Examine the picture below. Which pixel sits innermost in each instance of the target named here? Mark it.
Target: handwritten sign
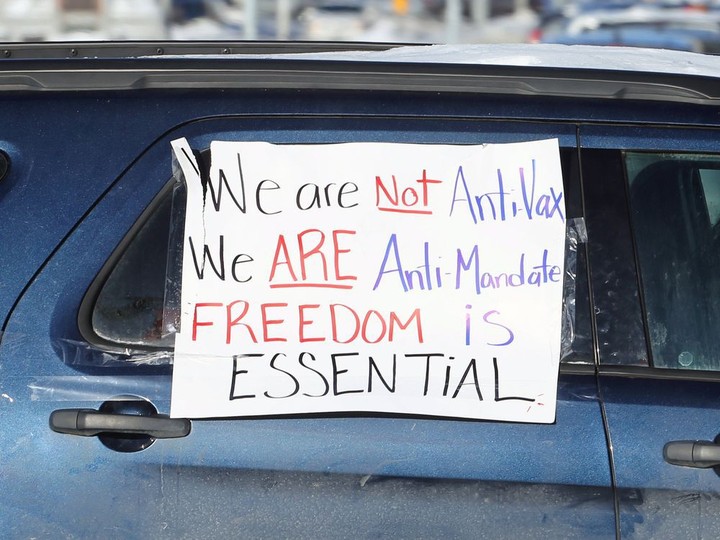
(371, 277)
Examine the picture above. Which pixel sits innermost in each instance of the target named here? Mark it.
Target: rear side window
(675, 212)
(132, 305)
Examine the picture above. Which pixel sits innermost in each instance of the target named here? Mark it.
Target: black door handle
(699, 454)
(89, 423)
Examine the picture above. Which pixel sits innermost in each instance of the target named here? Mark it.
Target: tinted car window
(134, 303)
(675, 210)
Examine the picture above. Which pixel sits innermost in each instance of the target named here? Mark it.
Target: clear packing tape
(575, 234)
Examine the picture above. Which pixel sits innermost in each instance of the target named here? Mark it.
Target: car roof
(520, 69)
(513, 54)
(534, 55)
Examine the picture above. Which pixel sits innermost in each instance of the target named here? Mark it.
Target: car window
(675, 212)
(131, 302)
(132, 307)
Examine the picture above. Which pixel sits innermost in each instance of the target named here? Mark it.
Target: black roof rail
(136, 49)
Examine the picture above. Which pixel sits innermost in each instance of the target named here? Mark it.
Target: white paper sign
(371, 277)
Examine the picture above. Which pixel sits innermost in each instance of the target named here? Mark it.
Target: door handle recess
(89, 423)
(699, 454)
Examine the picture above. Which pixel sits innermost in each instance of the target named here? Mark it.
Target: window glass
(710, 181)
(675, 208)
(133, 303)
(132, 309)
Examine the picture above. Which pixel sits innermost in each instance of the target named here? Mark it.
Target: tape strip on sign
(371, 277)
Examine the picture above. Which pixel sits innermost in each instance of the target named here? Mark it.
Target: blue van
(91, 213)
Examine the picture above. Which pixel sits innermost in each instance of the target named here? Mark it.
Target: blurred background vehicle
(333, 20)
(654, 26)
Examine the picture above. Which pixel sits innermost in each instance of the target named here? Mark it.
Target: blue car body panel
(547, 471)
(451, 455)
(646, 409)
